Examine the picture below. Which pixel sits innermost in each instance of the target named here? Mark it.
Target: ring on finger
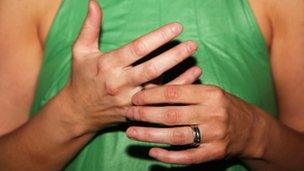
(197, 137)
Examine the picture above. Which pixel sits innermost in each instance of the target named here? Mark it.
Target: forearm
(282, 146)
(46, 142)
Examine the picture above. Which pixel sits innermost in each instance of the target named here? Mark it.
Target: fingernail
(191, 46)
(176, 28)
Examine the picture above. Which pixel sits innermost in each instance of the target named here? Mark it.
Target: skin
(72, 118)
(62, 130)
(229, 125)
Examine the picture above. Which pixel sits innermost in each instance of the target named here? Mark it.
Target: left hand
(228, 125)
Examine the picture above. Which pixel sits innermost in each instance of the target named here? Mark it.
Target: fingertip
(131, 133)
(87, 40)
(176, 27)
(93, 5)
(153, 152)
(192, 45)
(94, 11)
(197, 71)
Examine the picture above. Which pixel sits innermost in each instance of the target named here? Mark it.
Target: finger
(177, 94)
(170, 115)
(144, 45)
(204, 153)
(172, 136)
(188, 77)
(155, 67)
(87, 41)
(175, 135)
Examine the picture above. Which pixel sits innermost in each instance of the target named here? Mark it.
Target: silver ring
(196, 136)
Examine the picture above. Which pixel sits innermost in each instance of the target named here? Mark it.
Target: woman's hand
(228, 125)
(102, 83)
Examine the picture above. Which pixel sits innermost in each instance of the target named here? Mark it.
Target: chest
(258, 9)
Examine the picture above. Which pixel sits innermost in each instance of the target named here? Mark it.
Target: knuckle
(147, 135)
(179, 53)
(172, 117)
(121, 101)
(139, 48)
(111, 89)
(222, 115)
(87, 27)
(163, 35)
(186, 48)
(141, 114)
(177, 137)
(218, 93)
(79, 48)
(140, 98)
(75, 49)
(150, 72)
(221, 132)
(133, 77)
(130, 113)
(196, 114)
(172, 93)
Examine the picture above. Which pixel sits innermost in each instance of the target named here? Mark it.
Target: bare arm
(26, 145)
(21, 53)
(287, 58)
(285, 144)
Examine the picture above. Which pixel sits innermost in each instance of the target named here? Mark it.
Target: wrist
(259, 135)
(63, 113)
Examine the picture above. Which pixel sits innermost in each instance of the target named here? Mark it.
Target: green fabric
(232, 53)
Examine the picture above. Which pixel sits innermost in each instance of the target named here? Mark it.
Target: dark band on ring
(196, 136)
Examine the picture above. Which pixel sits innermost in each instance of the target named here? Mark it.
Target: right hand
(102, 83)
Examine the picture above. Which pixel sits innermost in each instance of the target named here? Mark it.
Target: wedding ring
(196, 136)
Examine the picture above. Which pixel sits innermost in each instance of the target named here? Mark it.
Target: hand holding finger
(221, 121)
(176, 94)
(153, 68)
(188, 77)
(181, 135)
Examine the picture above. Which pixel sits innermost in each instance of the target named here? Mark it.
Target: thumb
(89, 35)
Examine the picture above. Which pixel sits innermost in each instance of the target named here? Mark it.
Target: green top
(232, 53)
